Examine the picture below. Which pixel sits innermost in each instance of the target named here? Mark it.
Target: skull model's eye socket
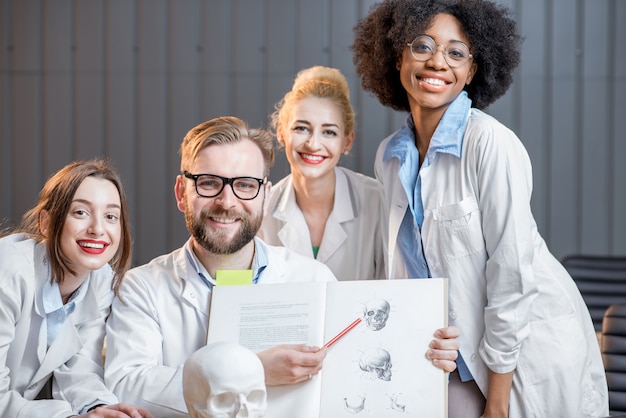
(224, 402)
(370, 313)
(256, 397)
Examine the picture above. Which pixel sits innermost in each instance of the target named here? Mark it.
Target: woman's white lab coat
(351, 245)
(75, 357)
(515, 304)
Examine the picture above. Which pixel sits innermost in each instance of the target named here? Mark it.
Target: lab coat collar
(344, 210)
(447, 138)
(345, 206)
(277, 265)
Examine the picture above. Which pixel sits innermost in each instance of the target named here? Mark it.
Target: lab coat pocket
(555, 351)
(460, 228)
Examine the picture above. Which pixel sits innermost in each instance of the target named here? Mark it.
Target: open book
(377, 369)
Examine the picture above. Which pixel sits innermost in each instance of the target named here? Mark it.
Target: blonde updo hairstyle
(318, 81)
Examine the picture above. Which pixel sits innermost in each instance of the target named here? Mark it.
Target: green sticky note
(233, 277)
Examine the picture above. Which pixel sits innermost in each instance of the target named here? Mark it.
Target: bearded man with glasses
(161, 317)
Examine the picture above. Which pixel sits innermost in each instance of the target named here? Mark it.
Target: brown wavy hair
(56, 197)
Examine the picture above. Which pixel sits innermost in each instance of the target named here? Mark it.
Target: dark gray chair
(601, 281)
(613, 348)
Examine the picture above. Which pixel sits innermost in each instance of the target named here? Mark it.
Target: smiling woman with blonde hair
(321, 210)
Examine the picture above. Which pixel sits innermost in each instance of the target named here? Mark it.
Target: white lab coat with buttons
(163, 317)
(75, 357)
(351, 245)
(516, 306)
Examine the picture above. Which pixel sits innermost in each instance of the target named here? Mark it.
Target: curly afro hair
(381, 36)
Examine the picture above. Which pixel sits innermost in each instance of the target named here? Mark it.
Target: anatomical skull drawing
(377, 362)
(376, 313)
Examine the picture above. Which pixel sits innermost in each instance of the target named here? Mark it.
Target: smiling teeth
(434, 81)
(224, 220)
(312, 157)
(91, 245)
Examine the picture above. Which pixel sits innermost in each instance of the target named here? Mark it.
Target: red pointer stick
(342, 333)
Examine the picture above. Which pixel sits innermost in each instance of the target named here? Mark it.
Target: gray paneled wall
(128, 78)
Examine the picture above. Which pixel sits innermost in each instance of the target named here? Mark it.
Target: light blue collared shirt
(448, 138)
(56, 312)
(259, 262)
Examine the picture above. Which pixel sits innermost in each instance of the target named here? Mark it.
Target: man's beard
(215, 241)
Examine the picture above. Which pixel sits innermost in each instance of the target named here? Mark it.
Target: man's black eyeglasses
(211, 185)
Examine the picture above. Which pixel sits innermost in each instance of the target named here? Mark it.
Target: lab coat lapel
(189, 293)
(68, 342)
(41, 271)
(294, 233)
(344, 210)
(397, 209)
(289, 237)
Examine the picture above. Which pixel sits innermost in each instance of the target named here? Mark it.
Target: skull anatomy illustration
(377, 362)
(376, 313)
(224, 380)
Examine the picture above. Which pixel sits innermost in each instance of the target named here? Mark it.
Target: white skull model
(224, 380)
(376, 313)
(378, 362)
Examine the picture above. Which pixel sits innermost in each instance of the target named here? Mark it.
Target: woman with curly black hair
(457, 187)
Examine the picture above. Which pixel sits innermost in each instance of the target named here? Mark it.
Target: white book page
(263, 316)
(379, 368)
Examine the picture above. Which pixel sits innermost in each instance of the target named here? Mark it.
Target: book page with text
(263, 316)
